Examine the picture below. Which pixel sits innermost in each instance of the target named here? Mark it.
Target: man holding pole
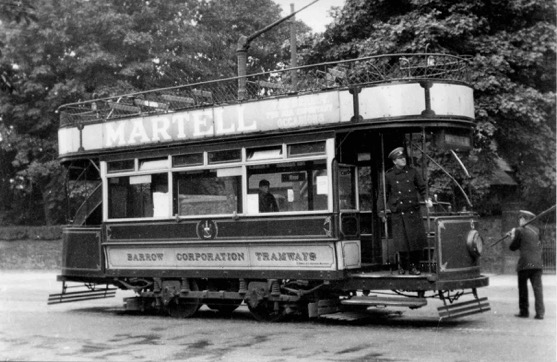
(526, 238)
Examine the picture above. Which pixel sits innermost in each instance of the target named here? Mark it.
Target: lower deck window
(207, 192)
(138, 196)
(294, 186)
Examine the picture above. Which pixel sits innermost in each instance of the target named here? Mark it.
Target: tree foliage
(512, 44)
(64, 51)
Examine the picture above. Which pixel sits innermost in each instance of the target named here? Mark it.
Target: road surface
(101, 330)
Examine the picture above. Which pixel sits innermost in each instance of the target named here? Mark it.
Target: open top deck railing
(300, 80)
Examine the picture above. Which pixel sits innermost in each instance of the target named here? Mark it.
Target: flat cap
(397, 152)
(527, 215)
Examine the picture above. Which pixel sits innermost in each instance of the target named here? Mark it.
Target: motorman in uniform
(403, 186)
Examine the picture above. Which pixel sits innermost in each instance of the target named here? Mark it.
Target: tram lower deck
(309, 272)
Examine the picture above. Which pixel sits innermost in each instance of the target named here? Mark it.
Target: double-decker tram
(269, 195)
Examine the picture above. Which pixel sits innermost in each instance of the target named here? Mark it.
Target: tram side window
(296, 186)
(347, 187)
(207, 192)
(365, 188)
(138, 196)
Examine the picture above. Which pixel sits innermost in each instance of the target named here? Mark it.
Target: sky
(315, 16)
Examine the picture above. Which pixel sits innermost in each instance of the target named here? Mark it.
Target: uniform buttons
(402, 213)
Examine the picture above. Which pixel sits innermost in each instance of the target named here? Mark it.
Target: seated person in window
(267, 202)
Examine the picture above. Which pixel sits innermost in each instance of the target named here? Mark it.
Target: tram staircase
(84, 291)
(89, 206)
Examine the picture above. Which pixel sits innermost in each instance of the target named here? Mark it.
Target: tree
(79, 50)
(512, 43)
(245, 18)
(18, 12)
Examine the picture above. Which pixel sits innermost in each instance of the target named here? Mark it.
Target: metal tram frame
(321, 124)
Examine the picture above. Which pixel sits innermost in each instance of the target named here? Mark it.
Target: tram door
(357, 176)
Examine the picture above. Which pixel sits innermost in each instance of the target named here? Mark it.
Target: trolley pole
(293, 50)
(242, 50)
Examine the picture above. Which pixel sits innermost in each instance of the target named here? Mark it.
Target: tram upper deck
(419, 90)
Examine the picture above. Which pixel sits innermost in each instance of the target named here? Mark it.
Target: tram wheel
(225, 306)
(184, 308)
(265, 312)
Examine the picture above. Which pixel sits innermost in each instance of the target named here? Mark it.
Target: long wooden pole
(529, 222)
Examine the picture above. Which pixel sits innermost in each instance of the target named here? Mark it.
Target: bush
(31, 233)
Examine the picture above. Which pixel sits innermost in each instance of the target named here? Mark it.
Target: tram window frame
(153, 164)
(352, 201)
(264, 153)
(120, 166)
(322, 145)
(365, 189)
(187, 157)
(239, 166)
(140, 196)
(212, 154)
(288, 195)
(201, 201)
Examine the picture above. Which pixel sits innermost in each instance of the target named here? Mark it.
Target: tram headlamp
(475, 243)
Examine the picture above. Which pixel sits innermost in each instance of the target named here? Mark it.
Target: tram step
(81, 295)
(376, 301)
(463, 309)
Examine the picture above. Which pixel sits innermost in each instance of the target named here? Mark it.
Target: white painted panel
(92, 137)
(346, 106)
(393, 100)
(293, 112)
(382, 101)
(293, 257)
(68, 140)
(257, 257)
(350, 254)
(452, 100)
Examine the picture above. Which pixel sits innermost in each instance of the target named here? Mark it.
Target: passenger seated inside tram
(267, 202)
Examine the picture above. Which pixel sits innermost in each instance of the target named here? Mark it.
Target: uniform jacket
(527, 240)
(402, 187)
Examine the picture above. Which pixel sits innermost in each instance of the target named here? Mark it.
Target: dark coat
(267, 202)
(403, 189)
(527, 240)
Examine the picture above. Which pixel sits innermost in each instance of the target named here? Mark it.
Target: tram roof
(360, 72)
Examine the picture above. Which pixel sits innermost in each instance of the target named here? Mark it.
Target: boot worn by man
(521, 315)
